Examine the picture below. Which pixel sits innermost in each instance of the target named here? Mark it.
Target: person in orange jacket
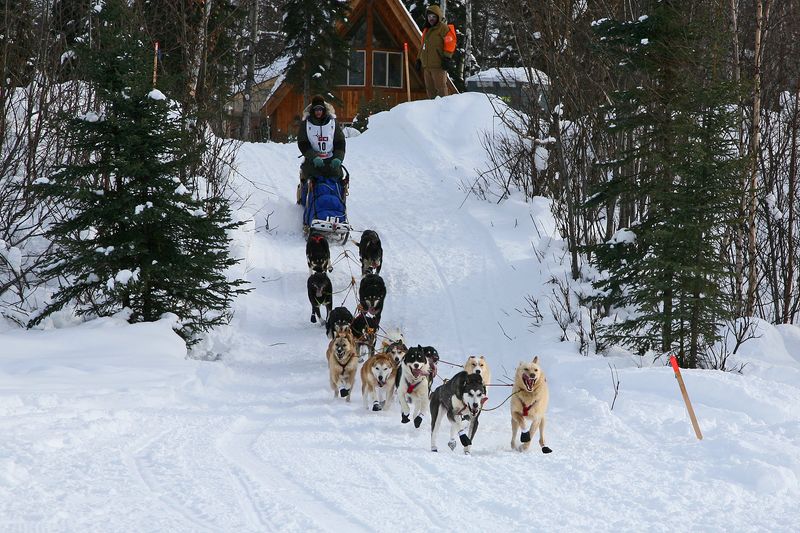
(433, 61)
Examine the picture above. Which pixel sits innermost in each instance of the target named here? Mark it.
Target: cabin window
(354, 72)
(387, 69)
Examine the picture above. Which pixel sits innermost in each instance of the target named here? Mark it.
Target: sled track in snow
(236, 445)
(232, 447)
(133, 460)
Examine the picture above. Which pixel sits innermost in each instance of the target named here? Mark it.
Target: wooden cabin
(376, 31)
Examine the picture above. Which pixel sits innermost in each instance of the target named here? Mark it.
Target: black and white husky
(460, 400)
(412, 385)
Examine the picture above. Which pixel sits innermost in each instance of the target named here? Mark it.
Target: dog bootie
(418, 421)
(344, 392)
(465, 440)
(404, 418)
(313, 319)
(545, 449)
(525, 436)
(434, 449)
(452, 444)
(376, 406)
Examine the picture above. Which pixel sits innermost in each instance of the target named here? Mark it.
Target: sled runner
(324, 207)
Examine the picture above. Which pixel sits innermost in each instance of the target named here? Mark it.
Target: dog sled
(324, 201)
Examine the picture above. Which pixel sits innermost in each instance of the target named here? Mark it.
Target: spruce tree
(682, 167)
(315, 49)
(132, 234)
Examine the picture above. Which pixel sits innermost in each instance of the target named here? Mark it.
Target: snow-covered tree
(316, 51)
(134, 236)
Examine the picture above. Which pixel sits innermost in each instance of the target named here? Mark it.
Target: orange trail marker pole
(674, 362)
(155, 65)
(408, 80)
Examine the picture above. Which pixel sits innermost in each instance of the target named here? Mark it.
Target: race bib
(321, 138)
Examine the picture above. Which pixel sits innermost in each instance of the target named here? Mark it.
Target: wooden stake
(155, 65)
(408, 80)
(674, 362)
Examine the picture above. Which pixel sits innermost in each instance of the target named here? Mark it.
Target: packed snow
(108, 426)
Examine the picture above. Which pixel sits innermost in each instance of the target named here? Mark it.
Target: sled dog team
(407, 373)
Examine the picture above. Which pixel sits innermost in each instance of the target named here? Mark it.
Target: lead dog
(318, 253)
(460, 399)
(412, 385)
(320, 292)
(370, 252)
(342, 365)
(529, 399)
(377, 381)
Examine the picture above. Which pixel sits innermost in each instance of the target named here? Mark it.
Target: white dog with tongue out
(529, 399)
(412, 385)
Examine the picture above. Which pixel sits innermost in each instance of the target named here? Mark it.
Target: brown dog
(342, 364)
(529, 400)
(377, 381)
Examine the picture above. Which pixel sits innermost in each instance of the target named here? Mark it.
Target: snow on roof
(277, 68)
(509, 76)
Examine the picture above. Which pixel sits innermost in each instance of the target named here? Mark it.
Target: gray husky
(461, 400)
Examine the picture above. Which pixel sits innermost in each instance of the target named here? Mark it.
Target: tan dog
(377, 381)
(342, 364)
(477, 365)
(529, 400)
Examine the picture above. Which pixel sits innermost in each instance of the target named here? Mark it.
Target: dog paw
(376, 406)
(313, 319)
(452, 444)
(465, 440)
(525, 436)
(418, 421)
(467, 452)
(344, 392)
(545, 449)
(404, 418)
(383, 402)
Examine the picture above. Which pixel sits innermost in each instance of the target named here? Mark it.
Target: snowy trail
(106, 427)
